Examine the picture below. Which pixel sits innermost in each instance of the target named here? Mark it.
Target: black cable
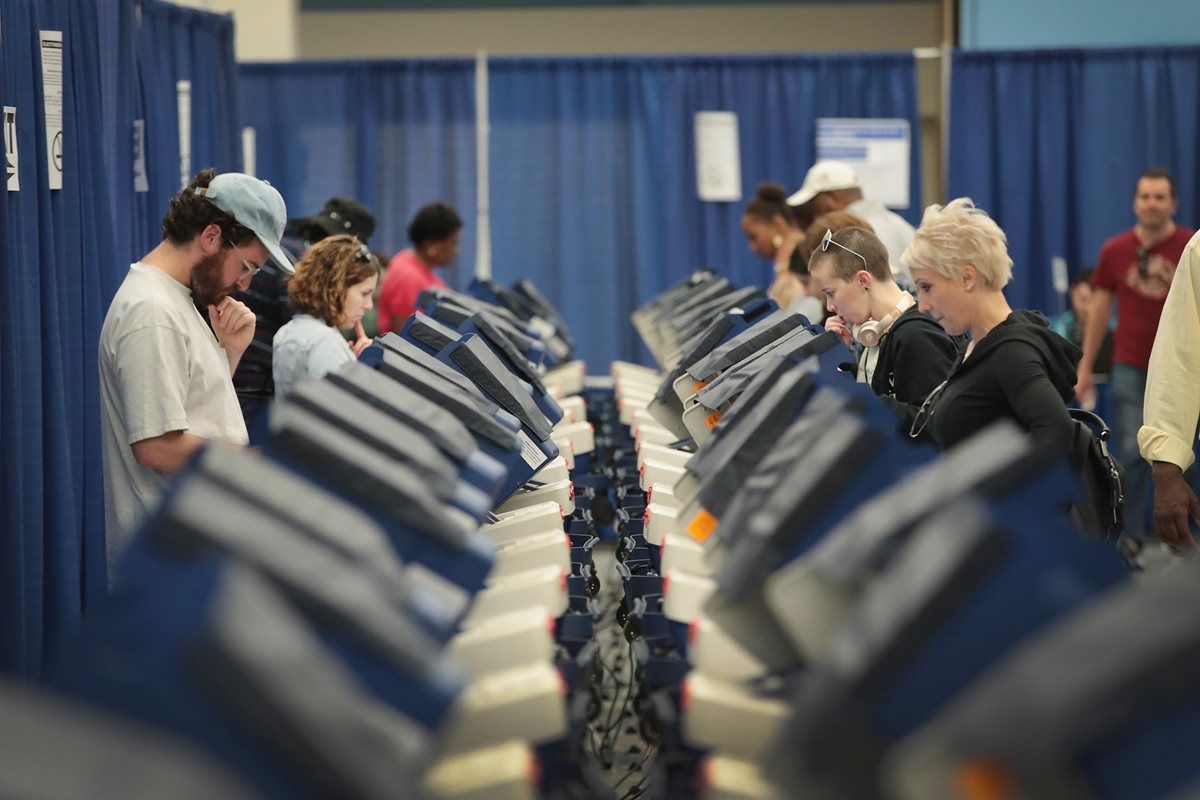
(624, 706)
(633, 769)
(595, 747)
(604, 743)
(609, 726)
(641, 787)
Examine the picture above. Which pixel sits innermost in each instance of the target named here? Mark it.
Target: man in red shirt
(1136, 267)
(434, 233)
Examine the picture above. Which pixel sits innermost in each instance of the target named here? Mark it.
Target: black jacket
(1022, 371)
(915, 355)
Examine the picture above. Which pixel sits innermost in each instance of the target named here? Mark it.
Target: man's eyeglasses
(1143, 257)
(925, 412)
(248, 268)
(827, 240)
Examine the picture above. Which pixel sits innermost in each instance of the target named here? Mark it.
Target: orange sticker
(712, 419)
(697, 387)
(702, 525)
(984, 779)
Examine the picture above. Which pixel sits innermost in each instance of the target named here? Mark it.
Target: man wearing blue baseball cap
(165, 385)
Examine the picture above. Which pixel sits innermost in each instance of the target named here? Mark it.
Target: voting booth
(468, 566)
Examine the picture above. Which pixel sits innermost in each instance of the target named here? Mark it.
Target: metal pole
(483, 249)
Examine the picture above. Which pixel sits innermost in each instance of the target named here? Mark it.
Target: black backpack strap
(1094, 421)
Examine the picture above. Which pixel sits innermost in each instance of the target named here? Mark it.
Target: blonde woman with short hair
(1014, 366)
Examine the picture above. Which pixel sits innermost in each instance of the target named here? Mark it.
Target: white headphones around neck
(872, 331)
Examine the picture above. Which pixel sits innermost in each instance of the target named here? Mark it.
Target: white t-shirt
(867, 361)
(306, 348)
(891, 228)
(161, 370)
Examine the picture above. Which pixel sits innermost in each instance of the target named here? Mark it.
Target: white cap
(256, 205)
(825, 176)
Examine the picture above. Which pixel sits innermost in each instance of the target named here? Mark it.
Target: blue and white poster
(880, 151)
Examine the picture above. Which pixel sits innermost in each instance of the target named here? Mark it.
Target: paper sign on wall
(141, 183)
(52, 94)
(880, 151)
(718, 162)
(183, 93)
(11, 162)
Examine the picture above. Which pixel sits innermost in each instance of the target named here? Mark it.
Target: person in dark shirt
(905, 354)
(1014, 367)
(1072, 323)
(267, 297)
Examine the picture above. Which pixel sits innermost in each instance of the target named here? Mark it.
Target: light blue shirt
(306, 347)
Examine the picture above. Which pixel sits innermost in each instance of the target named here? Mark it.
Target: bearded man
(165, 386)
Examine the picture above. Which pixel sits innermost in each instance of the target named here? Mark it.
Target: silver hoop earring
(777, 240)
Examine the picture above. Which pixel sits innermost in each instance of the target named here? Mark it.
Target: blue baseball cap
(256, 205)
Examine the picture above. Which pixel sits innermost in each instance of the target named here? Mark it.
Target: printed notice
(879, 150)
(532, 454)
(718, 162)
(183, 92)
(11, 162)
(52, 93)
(141, 183)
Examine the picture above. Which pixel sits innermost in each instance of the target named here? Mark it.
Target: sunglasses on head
(363, 254)
(827, 240)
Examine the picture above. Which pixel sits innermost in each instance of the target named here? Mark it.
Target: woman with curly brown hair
(331, 289)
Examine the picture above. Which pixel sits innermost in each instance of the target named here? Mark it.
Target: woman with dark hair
(770, 227)
(434, 233)
(331, 289)
(768, 223)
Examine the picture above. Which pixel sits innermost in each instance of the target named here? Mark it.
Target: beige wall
(656, 29)
(264, 30)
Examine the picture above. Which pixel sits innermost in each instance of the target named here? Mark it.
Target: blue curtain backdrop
(57, 250)
(64, 253)
(393, 134)
(593, 185)
(1051, 143)
(176, 44)
(120, 104)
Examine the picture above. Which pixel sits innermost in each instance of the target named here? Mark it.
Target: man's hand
(361, 340)
(1085, 388)
(233, 323)
(1174, 503)
(838, 326)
